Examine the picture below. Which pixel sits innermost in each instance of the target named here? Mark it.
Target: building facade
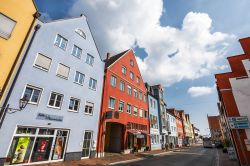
(124, 124)
(179, 126)
(18, 18)
(163, 121)
(62, 78)
(153, 119)
(214, 126)
(233, 91)
(172, 136)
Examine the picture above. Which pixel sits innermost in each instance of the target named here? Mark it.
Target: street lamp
(23, 102)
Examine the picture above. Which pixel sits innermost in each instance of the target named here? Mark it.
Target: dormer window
(80, 32)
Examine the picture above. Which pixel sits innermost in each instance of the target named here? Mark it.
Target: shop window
(33, 94)
(87, 143)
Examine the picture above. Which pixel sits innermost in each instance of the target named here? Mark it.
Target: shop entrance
(114, 137)
(32, 144)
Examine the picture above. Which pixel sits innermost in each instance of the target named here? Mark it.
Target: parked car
(207, 143)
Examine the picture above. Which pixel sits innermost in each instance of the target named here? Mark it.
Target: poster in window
(21, 148)
(58, 151)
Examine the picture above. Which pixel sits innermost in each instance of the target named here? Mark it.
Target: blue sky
(228, 17)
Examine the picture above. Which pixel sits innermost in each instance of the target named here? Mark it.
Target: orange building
(124, 124)
(214, 126)
(233, 91)
(179, 125)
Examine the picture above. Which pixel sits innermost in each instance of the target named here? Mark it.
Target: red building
(179, 125)
(124, 124)
(214, 126)
(233, 91)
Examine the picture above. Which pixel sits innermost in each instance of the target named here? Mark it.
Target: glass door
(87, 143)
(59, 145)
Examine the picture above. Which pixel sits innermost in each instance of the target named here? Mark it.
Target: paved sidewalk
(224, 159)
(109, 159)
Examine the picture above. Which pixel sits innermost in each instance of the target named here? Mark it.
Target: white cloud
(197, 91)
(173, 54)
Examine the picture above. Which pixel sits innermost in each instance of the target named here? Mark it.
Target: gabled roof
(114, 58)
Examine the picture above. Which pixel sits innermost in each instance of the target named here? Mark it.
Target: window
(92, 84)
(63, 71)
(122, 86)
(42, 62)
(121, 106)
(90, 60)
(89, 108)
(151, 103)
(77, 51)
(135, 93)
(146, 114)
(135, 111)
(131, 75)
(111, 103)
(145, 98)
(138, 80)
(80, 32)
(129, 108)
(79, 78)
(154, 105)
(87, 143)
(7, 26)
(124, 70)
(129, 90)
(131, 62)
(113, 81)
(61, 42)
(32, 93)
(74, 104)
(140, 95)
(141, 113)
(55, 100)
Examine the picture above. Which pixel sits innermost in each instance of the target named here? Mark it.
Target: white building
(62, 77)
(173, 135)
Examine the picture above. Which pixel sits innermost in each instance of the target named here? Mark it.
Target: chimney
(108, 56)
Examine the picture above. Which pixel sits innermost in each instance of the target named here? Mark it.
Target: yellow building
(17, 18)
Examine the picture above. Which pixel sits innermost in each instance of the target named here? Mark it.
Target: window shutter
(6, 26)
(63, 70)
(43, 61)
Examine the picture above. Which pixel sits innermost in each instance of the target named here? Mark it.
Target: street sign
(238, 122)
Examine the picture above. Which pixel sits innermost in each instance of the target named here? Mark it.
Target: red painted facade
(129, 122)
(228, 106)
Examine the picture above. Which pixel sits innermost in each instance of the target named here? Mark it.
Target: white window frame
(110, 107)
(113, 81)
(135, 112)
(59, 45)
(93, 80)
(91, 63)
(135, 93)
(122, 82)
(120, 101)
(130, 90)
(124, 70)
(61, 103)
(77, 49)
(33, 87)
(138, 80)
(77, 82)
(93, 106)
(131, 62)
(72, 110)
(129, 111)
(141, 113)
(131, 75)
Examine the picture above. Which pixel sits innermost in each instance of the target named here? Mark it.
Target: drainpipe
(36, 28)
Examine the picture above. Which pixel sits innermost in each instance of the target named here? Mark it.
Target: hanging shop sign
(43, 116)
(239, 122)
